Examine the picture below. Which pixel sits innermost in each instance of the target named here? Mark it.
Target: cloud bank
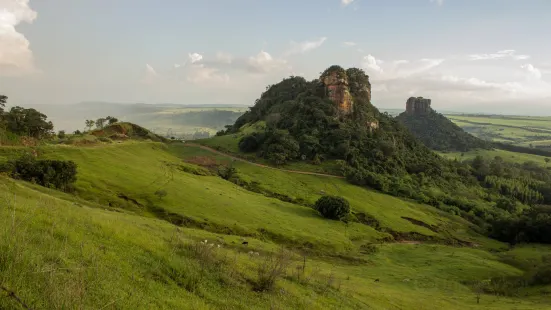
(16, 57)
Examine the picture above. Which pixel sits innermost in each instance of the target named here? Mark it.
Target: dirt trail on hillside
(206, 148)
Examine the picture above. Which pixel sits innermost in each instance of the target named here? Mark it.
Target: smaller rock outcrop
(435, 130)
(418, 105)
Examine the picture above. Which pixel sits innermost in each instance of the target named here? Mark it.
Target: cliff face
(336, 83)
(418, 105)
(342, 86)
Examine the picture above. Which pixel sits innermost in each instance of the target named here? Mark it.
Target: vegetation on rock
(439, 133)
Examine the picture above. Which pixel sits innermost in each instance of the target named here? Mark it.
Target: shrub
(333, 207)
(250, 143)
(161, 193)
(61, 134)
(48, 173)
(105, 139)
(226, 172)
(541, 275)
(273, 267)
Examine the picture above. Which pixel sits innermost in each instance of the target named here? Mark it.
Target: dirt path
(206, 148)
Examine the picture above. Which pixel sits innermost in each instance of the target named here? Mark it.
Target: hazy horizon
(467, 56)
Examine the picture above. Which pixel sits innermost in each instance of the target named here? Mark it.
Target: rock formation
(336, 83)
(418, 105)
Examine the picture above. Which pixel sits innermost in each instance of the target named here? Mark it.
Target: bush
(105, 139)
(541, 275)
(61, 134)
(250, 143)
(333, 207)
(48, 173)
(161, 193)
(273, 267)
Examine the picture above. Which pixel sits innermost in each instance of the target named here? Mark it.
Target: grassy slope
(230, 144)
(87, 256)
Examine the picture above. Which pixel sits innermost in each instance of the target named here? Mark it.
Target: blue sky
(467, 55)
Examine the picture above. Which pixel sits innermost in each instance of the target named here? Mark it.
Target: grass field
(520, 130)
(111, 246)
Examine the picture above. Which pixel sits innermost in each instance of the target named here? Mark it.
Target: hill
(435, 130)
(332, 118)
(115, 243)
(123, 131)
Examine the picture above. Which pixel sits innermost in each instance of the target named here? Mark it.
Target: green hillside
(439, 133)
(95, 249)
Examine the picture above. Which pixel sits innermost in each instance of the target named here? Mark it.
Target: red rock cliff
(336, 83)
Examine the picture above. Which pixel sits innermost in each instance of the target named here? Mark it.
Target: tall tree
(3, 100)
(89, 124)
(111, 119)
(100, 122)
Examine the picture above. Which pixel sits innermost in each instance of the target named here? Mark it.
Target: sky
(491, 56)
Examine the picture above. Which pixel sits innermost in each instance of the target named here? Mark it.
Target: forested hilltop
(332, 118)
(435, 130)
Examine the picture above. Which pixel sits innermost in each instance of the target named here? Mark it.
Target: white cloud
(150, 75)
(499, 55)
(224, 57)
(346, 2)
(397, 69)
(265, 63)
(201, 74)
(306, 46)
(535, 72)
(195, 57)
(444, 81)
(473, 84)
(348, 43)
(370, 63)
(150, 71)
(439, 2)
(16, 56)
(400, 62)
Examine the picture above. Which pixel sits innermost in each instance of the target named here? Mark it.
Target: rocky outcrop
(418, 105)
(342, 86)
(336, 84)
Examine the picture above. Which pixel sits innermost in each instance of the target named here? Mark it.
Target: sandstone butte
(418, 106)
(337, 87)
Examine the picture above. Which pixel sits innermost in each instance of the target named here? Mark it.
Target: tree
(111, 120)
(333, 207)
(508, 205)
(3, 100)
(89, 124)
(28, 122)
(161, 193)
(61, 134)
(100, 123)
